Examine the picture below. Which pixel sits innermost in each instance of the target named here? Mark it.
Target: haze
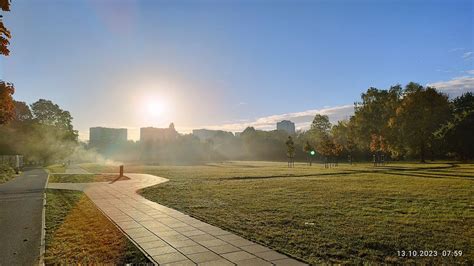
(229, 64)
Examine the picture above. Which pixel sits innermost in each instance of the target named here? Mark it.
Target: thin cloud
(302, 120)
(456, 49)
(456, 86)
(470, 72)
(467, 55)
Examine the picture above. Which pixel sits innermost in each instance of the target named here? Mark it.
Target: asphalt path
(21, 211)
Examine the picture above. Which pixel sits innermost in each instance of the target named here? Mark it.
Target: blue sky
(229, 64)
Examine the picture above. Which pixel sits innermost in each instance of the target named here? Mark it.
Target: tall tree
(48, 113)
(372, 115)
(5, 34)
(290, 152)
(458, 133)
(7, 106)
(309, 150)
(421, 113)
(22, 112)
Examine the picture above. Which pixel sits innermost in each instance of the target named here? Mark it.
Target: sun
(155, 107)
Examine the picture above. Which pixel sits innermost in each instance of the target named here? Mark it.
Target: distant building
(287, 126)
(205, 134)
(103, 136)
(153, 134)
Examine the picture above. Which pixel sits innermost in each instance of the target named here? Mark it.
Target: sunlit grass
(78, 233)
(346, 214)
(56, 168)
(84, 178)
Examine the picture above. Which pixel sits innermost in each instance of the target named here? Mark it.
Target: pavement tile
(288, 262)
(204, 256)
(202, 237)
(160, 250)
(146, 239)
(185, 229)
(180, 263)
(129, 225)
(271, 255)
(193, 233)
(154, 244)
(170, 257)
(227, 248)
(256, 248)
(212, 243)
(192, 249)
(229, 237)
(218, 232)
(253, 262)
(221, 262)
(182, 243)
(240, 242)
(238, 256)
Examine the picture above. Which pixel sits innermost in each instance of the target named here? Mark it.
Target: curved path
(168, 236)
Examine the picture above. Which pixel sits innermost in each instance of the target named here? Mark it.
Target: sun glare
(155, 108)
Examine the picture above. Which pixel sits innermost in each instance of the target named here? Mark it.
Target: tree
(309, 150)
(22, 112)
(458, 133)
(47, 113)
(320, 124)
(7, 106)
(372, 116)
(290, 145)
(5, 34)
(421, 113)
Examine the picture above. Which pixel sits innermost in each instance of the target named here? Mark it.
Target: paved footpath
(168, 236)
(21, 213)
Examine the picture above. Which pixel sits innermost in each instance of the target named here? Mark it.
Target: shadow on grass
(387, 170)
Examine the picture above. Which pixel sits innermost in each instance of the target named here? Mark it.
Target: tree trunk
(422, 152)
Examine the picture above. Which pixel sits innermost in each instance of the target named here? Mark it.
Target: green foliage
(7, 106)
(6, 173)
(5, 34)
(44, 133)
(420, 114)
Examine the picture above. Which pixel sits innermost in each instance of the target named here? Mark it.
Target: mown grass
(78, 233)
(56, 168)
(347, 214)
(6, 173)
(84, 178)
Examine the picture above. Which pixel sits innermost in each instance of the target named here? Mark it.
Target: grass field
(78, 233)
(347, 214)
(56, 168)
(84, 178)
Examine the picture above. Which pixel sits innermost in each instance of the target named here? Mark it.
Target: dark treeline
(397, 123)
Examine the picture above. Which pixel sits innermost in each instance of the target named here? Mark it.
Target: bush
(6, 173)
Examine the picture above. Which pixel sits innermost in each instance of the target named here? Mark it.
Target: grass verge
(84, 178)
(56, 168)
(78, 233)
(349, 214)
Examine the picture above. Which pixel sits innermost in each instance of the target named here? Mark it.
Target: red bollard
(121, 171)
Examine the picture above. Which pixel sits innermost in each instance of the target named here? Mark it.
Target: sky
(229, 64)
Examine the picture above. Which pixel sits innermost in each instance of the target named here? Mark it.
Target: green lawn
(56, 168)
(348, 214)
(78, 233)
